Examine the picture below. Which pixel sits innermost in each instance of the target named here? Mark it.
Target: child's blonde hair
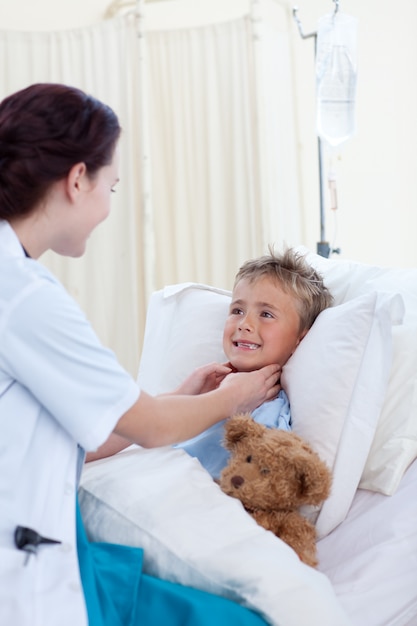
(296, 277)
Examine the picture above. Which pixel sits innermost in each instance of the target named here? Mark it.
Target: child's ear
(300, 338)
(302, 335)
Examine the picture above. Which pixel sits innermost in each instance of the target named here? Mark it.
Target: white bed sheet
(371, 559)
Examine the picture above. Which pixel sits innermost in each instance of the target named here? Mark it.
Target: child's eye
(249, 459)
(236, 312)
(264, 470)
(266, 314)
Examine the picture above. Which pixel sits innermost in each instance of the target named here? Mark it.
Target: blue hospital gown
(208, 449)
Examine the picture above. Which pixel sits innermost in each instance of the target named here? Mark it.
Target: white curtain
(208, 166)
(108, 281)
(222, 147)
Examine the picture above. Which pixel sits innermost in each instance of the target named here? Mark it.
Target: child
(275, 300)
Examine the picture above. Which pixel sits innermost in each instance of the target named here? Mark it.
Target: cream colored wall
(377, 169)
(377, 173)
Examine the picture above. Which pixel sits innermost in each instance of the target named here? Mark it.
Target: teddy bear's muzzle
(237, 481)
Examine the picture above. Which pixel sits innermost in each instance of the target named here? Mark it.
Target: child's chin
(242, 365)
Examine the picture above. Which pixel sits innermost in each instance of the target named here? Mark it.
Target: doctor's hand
(203, 379)
(254, 388)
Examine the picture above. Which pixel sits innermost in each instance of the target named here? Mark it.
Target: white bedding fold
(192, 533)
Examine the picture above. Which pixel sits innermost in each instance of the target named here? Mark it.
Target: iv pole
(323, 247)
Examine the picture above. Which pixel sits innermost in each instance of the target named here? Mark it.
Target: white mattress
(371, 559)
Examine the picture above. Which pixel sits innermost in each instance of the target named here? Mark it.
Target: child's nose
(246, 323)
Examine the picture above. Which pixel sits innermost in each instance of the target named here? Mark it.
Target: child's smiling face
(263, 325)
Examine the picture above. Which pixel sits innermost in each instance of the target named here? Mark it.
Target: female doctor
(62, 393)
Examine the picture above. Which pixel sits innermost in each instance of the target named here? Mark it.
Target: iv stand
(323, 247)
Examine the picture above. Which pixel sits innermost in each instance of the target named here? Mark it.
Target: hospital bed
(352, 384)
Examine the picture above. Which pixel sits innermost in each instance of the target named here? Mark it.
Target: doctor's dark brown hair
(45, 129)
(296, 277)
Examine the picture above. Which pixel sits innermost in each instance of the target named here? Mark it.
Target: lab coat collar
(10, 245)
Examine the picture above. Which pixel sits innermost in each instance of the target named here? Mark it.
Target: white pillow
(336, 382)
(394, 446)
(395, 443)
(336, 379)
(184, 329)
(192, 533)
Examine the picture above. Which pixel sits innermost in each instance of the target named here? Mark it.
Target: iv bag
(336, 72)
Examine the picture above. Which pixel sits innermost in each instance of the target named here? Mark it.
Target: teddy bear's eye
(249, 458)
(264, 470)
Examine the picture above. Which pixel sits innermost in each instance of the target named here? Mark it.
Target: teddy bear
(274, 472)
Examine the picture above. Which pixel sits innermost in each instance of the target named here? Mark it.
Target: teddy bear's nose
(237, 481)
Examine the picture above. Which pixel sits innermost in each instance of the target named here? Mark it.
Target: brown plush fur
(273, 472)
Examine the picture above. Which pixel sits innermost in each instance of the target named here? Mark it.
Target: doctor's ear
(76, 180)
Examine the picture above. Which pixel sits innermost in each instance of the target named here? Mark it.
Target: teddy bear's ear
(239, 428)
(314, 478)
